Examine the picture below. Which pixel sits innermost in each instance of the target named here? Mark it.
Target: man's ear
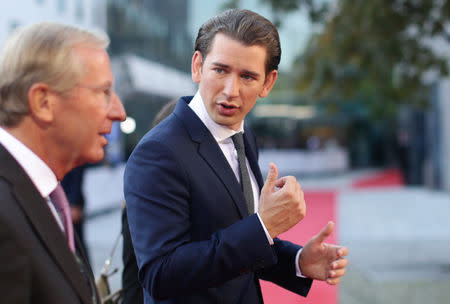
(196, 66)
(41, 102)
(268, 83)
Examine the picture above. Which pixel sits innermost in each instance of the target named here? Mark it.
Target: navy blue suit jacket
(193, 237)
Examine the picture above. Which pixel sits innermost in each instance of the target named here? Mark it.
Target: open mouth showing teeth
(227, 107)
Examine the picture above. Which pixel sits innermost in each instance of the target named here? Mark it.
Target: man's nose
(231, 88)
(116, 110)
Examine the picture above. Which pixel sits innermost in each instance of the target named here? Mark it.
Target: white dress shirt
(40, 174)
(223, 135)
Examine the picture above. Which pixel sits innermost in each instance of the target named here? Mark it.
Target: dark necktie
(59, 200)
(238, 140)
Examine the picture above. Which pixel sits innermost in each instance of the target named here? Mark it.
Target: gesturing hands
(322, 261)
(281, 209)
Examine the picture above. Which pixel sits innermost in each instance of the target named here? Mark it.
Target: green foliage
(376, 52)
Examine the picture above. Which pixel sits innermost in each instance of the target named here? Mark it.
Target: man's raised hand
(322, 261)
(282, 204)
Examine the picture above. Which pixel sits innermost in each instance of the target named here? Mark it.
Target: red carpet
(321, 208)
(386, 178)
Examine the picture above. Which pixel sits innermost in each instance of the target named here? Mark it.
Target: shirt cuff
(298, 271)
(265, 230)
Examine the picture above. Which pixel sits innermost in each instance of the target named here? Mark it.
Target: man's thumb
(272, 177)
(325, 232)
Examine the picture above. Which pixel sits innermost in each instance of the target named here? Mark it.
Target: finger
(281, 181)
(333, 281)
(341, 263)
(299, 192)
(336, 273)
(343, 251)
(325, 232)
(287, 182)
(301, 197)
(271, 179)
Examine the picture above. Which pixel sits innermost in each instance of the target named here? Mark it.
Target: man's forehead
(223, 53)
(95, 62)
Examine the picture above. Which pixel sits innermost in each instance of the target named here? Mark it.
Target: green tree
(376, 52)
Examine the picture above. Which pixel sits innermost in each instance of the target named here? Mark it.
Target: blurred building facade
(440, 130)
(445, 138)
(437, 126)
(151, 29)
(151, 50)
(85, 13)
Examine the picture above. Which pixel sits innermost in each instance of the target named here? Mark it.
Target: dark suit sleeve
(15, 268)
(132, 292)
(171, 264)
(283, 273)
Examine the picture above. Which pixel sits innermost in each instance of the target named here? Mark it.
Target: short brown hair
(247, 27)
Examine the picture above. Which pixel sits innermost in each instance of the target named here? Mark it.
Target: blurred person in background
(204, 227)
(56, 106)
(132, 292)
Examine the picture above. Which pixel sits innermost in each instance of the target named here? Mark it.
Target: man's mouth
(227, 105)
(104, 135)
(227, 109)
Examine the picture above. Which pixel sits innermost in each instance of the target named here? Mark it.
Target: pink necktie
(61, 204)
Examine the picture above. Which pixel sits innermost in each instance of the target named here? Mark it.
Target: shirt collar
(40, 174)
(219, 132)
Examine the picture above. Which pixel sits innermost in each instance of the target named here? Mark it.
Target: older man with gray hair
(56, 106)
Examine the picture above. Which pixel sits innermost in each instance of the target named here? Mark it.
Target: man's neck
(33, 138)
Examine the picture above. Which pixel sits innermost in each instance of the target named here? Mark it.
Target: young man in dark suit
(204, 224)
(56, 106)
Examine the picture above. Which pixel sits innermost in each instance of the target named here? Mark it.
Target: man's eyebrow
(248, 72)
(222, 65)
(106, 85)
(254, 74)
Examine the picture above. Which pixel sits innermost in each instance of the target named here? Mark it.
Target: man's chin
(229, 122)
(96, 157)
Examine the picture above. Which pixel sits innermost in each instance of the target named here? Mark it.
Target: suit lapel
(210, 151)
(39, 215)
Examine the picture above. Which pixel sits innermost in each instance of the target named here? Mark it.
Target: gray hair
(42, 52)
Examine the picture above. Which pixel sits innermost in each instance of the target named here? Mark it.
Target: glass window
(13, 25)
(61, 6)
(79, 9)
